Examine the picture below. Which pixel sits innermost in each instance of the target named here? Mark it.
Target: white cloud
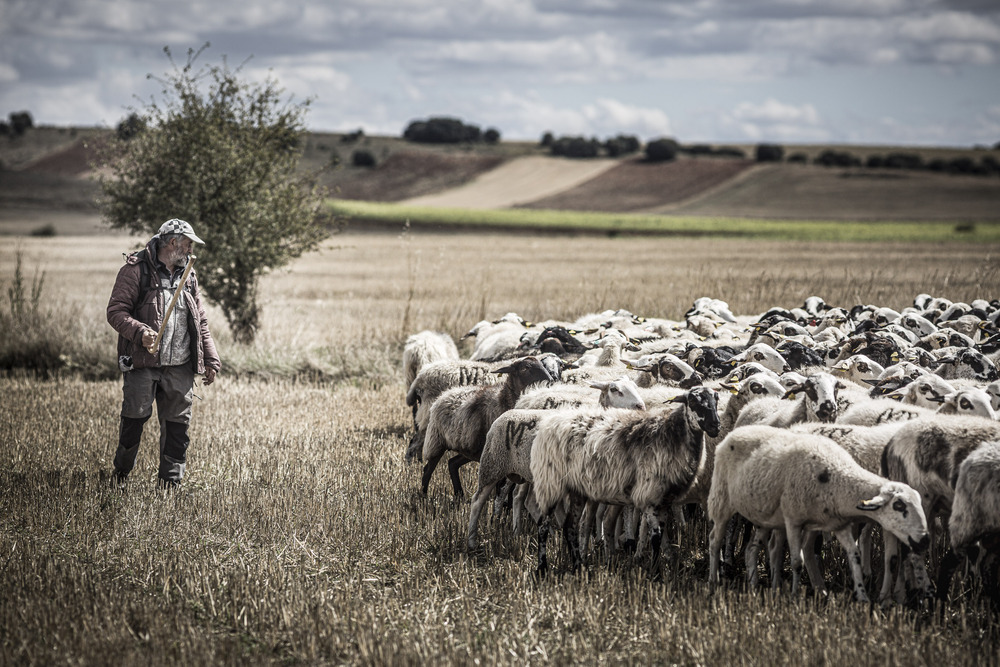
(775, 121)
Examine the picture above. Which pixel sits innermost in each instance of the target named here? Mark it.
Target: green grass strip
(629, 223)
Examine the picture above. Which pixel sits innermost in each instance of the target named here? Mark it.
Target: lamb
(432, 381)
(461, 417)
(621, 457)
(507, 452)
(425, 347)
(926, 453)
(780, 479)
(818, 402)
(975, 514)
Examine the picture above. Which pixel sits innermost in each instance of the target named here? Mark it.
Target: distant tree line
(445, 130)
(987, 165)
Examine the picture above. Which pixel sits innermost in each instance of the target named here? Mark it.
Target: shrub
(362, 158)
(623, 144)
(730, 151)
(769, 153)
(696, 149)
(832, 158)
(661, 150)
(798, 158)
(903, 161)
(547, 140)
(130, 126)
(20, 121)
(44, 230)
(575, 147)
(875, 162)
(491, 136)
(441, 130)
(5, 128)
(352, 137)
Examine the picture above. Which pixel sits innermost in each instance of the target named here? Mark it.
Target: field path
(519, 181)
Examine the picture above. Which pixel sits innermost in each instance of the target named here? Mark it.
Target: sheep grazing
(507, 452)
(926, 453)
(498, 339)
(975, 516)
(780, 479)
(433, 380)
(621, 457)
(461, 417)
(423, 348)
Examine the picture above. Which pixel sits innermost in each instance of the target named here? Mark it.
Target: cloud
(772, 120)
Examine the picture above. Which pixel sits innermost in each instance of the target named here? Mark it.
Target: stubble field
(299, 535)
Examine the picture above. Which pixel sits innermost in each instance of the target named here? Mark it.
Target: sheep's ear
(505, 369)
(790, 394)
(600, 385)
(840, 385)
(682, 398)
(731, 388)
(873, 504)
(873, 383)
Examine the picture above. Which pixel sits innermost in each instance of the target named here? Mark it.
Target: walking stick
(155, 345)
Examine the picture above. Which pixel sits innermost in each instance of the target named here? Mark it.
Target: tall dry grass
(299, 535)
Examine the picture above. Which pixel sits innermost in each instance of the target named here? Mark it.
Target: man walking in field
(161, 348)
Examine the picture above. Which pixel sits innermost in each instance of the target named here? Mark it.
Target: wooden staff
(155, 345)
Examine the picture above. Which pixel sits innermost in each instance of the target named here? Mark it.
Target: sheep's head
(525, 372)
(621, 393)
(820, 392)
(968, 401)
(897, 508)
(703, 404)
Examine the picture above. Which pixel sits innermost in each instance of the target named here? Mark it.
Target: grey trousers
(172, 388)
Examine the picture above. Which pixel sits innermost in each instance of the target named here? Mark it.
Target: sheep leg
(609, 525)
(587, 517)
(429, 467)
(543, 536)
(751, 554)
(520, 498)
(890, 565)
(478, 501)
(504, 498)
(776, 557)
(921, 580)
(716, 537)
(949, 563)
(865, 544)
(794, 536)
(846, 539)
(655, 528)
(571, 533)
(812, 563)
(454, 463)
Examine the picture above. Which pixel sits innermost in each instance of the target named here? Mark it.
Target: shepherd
(163, 343)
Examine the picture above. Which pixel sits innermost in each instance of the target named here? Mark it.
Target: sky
(877, 72)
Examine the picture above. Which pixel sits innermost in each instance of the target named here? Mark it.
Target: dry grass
(299, 535)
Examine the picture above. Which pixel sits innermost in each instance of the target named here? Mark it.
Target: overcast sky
(916, 72)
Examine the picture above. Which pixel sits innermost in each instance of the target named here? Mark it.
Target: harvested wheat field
(299, 535)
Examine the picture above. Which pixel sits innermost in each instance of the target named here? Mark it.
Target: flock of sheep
(783, 427)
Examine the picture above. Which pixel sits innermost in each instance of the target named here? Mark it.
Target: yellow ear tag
(734, 390)
(791, 397)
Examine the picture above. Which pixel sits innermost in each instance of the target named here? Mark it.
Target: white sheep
(498, 339)
(974, 524)
(971, 401)
(858, 369)
(881, 411)
(621, 457)
(461, 417)
(925, 453)
(763, 354)
(423, 348)
(817, 402)
(507, 452)
(780, 479)
(433, 380)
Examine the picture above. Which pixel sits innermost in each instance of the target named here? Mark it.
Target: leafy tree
(224, 158)
(20, 121)
(362, 158)
(491, 135)
(769, 153)
(664, 149)
(130, 126)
